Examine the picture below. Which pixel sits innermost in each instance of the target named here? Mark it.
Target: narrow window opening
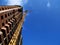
(2, 24)
(1, 17)
(7, 29)
(4, 33)
(5, 15)
(8, 14)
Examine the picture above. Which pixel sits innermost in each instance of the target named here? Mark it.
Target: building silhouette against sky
(11, 20)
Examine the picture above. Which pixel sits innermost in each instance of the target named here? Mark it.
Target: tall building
(11, 21)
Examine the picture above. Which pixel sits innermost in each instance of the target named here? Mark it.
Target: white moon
(48, 4)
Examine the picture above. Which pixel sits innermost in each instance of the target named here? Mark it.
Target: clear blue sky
(42, 25)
